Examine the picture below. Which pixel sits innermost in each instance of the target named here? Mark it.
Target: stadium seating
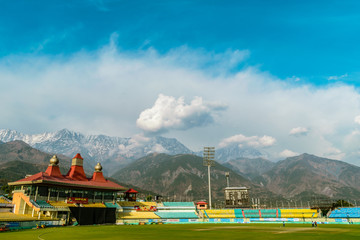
(238, 213)
(179, 204)
(219, 213)
(298, 213)
(42, 204)
(137, 215)
(11, 217)
(133, 204)
(94, 205)
(251, 213)
(176, 210)
(268, 213)
(34, 203)
(345, 213)
(112, 205)
(138, 206)
(4, 200)
(176, 214)
(61, 204)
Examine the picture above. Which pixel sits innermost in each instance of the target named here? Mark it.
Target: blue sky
(308, 39)
(279, 76)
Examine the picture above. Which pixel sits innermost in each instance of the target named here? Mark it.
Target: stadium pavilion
(51, 194)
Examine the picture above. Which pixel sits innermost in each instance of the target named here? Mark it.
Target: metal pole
(227, 175)
(209, 160)
(209, 186)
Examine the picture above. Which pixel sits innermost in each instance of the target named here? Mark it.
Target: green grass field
(190, 231)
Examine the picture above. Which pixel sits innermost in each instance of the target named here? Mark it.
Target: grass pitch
(190, 231)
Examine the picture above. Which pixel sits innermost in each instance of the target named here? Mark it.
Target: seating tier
(137, 215)
(176, 215)
(219, 213)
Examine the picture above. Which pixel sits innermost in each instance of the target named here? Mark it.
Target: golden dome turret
(98, 167)
(54, 161)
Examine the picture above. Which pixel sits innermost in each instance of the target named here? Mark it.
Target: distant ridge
(182, 175)
(250, 167)
(18, 159)
(307, 175)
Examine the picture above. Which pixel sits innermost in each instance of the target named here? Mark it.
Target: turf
(190, 231)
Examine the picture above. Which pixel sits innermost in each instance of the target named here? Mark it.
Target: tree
(341, 203)
(7, 189)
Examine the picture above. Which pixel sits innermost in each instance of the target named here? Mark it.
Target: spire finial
(98, 167)
(54, 161)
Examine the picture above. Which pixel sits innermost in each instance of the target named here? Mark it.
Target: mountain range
(183, 177)
(112, 152)
(115, 152)
(18, 159)
(250, 168)
(308, 175)
(143, 164)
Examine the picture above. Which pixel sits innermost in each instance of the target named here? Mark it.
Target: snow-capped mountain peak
(111, 151)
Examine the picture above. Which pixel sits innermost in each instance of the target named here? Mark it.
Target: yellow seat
(137, 215)
(94, 205)
(219, 213)
(299, 213)
(132, 204)
(62, 204)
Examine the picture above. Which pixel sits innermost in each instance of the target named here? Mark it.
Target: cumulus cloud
(253, 141)
(105, 91)
(288, 153)
(299, 131)
(171, 113)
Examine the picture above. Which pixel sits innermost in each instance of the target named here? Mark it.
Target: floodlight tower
(227, 175)
(209, 161)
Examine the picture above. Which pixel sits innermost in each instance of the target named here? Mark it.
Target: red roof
(98, 177)
(53, 171)
(75, 177)
(76, 173)
(65, 180)
(78, 156)
(131, 191)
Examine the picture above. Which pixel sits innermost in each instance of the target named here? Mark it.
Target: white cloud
(299, 131)
(157, 148)
(253, 141)
(105, 91)
(288, 153)
(293, 79)
(357, 119)
(171, 113)
(338, 77)
(334, 153)
(136, 141)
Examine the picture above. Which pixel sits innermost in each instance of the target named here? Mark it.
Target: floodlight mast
(209, 160)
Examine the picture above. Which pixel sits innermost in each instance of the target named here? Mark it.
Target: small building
(51, 194)
(237, 197)
(130, 195)
(202, 205)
